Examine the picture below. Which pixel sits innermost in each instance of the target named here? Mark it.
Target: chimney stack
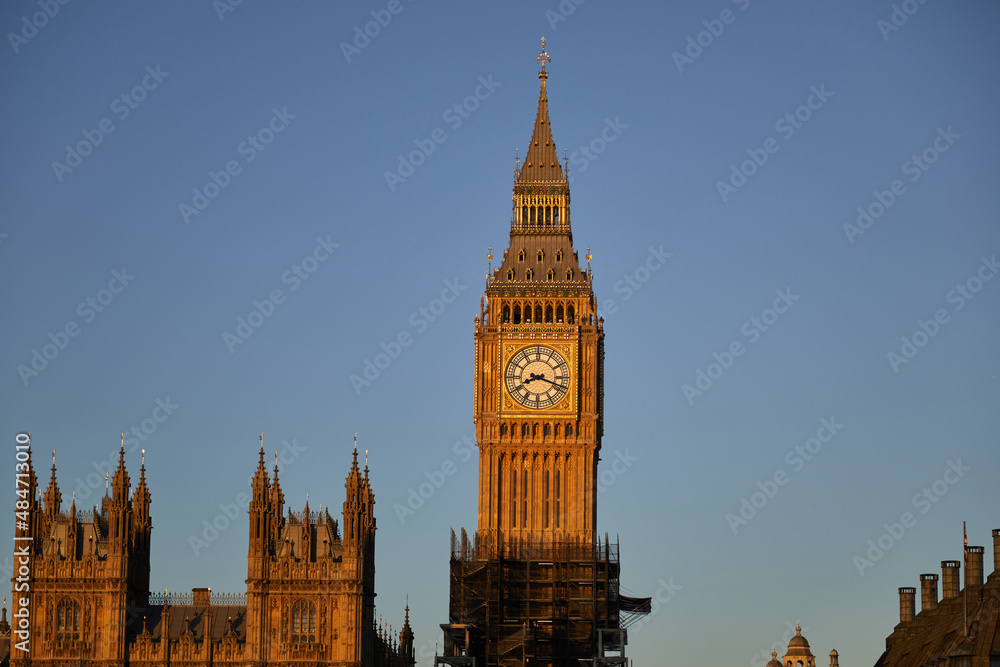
(907, 603)
(974, 570)
(928, 591)
(996, 551)
(201, 597)
(949, 579)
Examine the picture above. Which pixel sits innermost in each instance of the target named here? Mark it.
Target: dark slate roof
(935, 635)
(195, 621)
(550, 245)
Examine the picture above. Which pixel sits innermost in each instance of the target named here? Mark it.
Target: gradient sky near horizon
(807, 111)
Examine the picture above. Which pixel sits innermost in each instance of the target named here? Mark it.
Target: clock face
(537, 377)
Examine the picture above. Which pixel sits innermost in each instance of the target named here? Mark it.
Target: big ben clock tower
(535, 585)
(539, 375)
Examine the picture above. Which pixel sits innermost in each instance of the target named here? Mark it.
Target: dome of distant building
(799, 654)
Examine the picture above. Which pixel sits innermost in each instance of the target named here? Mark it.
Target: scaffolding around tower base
(518, 602)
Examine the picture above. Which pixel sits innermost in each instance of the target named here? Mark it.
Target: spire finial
(798, 630)
(589, 257)
(143, 457)
(107, 475)
(489, 257)
(355, 442)
(53, 458)
(543, 58)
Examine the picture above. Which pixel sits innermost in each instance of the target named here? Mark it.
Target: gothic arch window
(520, 256)
(534, 429)
(524, 214)
(558, 429)
(547, 429)
(545, 495)
(548, 312)
(569, 429)
(570, 315)
(550, 275)
(524, 429)
(555, 215)
(68, 621)
(506, 314)
(538, 313)
(541, 255)
(548, 214)
(569, 274)
(524, 499)
(559, 314)
(558, 255)
(517, 314)
(503, 429)
(557, 498)
(304, 622)
(510, 274)
(513, 507)
(527, 275)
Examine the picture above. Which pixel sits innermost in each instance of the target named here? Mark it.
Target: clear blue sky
(832, 104)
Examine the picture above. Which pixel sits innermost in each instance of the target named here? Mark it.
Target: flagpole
(965, 574)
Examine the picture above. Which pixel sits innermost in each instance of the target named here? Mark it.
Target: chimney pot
(928, 592)
(996, 551)
(949, 579)
(974, 570)
(907, 603)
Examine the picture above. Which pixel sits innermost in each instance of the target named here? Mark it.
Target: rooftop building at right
(959, 628)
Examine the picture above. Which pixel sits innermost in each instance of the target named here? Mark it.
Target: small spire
(489, 257)
(589, 257)
(143, 458)
(107, 475)
(355, 442)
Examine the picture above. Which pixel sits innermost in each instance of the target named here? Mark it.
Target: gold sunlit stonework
(310, 586)
(535, 585)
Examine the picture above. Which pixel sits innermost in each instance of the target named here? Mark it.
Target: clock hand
(544, 379)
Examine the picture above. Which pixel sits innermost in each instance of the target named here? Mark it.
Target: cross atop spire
(543, 58)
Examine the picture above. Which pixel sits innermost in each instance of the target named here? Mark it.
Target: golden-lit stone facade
(539, 367)
(535, 586)
(310, 597)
